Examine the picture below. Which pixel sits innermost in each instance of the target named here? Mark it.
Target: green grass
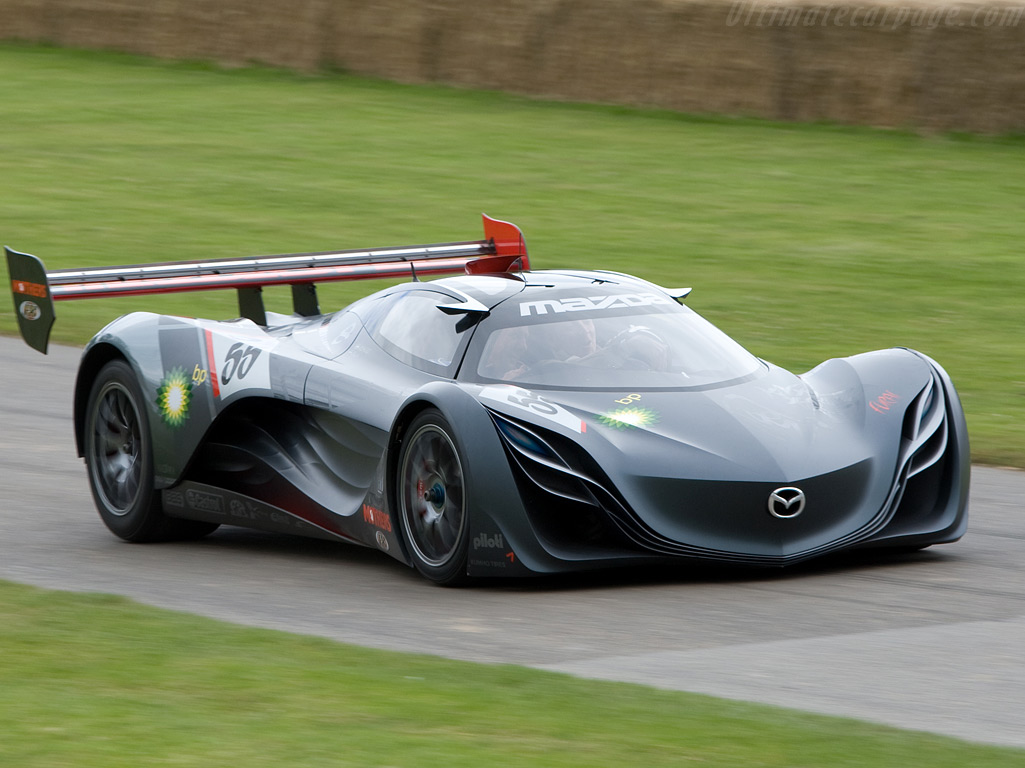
(803, 242)
(95, 680)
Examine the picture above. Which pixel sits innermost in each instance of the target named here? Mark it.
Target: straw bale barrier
(925, 64)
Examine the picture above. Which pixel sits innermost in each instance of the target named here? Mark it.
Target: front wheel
(432, 499)
(119, 459)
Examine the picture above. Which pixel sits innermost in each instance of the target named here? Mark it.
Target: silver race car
(501, 422)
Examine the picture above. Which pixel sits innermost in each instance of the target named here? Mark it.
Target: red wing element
(506, 237)
(510, 249)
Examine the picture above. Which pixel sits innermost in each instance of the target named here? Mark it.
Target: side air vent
(925, 429)
(566, 505)
(923, 481)
(542, 462)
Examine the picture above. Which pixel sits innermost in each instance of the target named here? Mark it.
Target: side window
(416, 332)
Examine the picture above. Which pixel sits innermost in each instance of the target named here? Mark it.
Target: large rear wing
(35, 290)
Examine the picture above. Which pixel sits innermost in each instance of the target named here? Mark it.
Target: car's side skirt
(209, 503)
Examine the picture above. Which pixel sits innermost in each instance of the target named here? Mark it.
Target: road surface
(932, 641)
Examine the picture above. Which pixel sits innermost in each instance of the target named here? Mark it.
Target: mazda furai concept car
(501, 422)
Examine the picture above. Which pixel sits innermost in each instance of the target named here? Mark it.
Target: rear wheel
(119, 459)
(432, 499)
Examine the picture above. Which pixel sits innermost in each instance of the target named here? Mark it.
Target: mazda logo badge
(786, 502)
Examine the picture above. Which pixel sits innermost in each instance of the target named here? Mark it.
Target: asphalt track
(933, 641)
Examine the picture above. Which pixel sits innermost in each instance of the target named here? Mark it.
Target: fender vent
(925, 429)
(923, 481)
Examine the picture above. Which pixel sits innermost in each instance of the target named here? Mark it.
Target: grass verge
(96, 680)
(803, 242)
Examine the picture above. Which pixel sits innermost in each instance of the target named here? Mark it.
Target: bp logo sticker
(173, 397)
(625, 418)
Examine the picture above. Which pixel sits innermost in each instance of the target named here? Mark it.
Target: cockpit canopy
(600, 336)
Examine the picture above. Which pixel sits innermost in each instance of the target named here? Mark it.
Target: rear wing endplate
(35, 290)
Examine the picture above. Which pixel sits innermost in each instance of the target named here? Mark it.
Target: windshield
(634, 341)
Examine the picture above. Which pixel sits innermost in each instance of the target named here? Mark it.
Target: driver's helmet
(643, 347)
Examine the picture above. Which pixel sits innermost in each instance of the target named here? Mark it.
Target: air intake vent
(925, 430)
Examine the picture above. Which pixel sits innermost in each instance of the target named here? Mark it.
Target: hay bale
(956, 65)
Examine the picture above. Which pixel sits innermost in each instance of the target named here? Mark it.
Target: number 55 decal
(240, 359)
(529, 401)
(243, 366)
(526, 399)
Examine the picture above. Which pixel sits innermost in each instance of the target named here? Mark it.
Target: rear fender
(167, 355)
(132, 338)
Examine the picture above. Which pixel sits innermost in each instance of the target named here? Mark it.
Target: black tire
(431, 495)
(119, 460)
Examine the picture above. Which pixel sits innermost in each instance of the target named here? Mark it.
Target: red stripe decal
(211, 364)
